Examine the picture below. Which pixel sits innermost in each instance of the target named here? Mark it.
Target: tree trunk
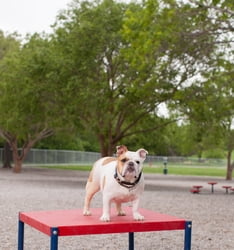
(107, 148)
(17, 166)
(229, 166)
(17, 158)
(7, 156)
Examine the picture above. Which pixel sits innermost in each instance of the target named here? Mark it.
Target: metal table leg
(187, 236)
(54, 238)
(131, 241)
(21, 235)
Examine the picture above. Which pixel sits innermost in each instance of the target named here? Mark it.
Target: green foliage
(27, 102)
(215, 153)
(70, 141)
(115, 99)
(8, 44)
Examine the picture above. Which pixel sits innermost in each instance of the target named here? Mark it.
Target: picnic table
(226, 187)
(72, 222)
(212, 183)
(196, 189)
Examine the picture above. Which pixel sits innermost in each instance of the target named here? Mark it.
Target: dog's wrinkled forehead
(140, 154)
(135, 156)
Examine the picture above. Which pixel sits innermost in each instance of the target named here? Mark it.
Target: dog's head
(130, 163)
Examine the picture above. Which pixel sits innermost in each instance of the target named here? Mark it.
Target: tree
(98, 80)
(208, 102)
(223, 109)
(7, 155)
(209, 108)
(28, 102)
(8, 44)
(124, 60)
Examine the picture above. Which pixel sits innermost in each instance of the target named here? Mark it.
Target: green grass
(70, 167)
(193, 171)
(175, 170)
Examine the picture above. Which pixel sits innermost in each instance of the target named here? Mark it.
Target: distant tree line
(103, 75)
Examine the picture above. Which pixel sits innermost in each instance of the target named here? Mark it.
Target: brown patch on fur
(120, 164)
(90, 179)
(121, 149)
(103, 182)
(108, 160)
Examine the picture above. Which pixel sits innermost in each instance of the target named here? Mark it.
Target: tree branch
(151, 129)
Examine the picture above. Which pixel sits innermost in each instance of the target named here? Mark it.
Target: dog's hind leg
(91, 190)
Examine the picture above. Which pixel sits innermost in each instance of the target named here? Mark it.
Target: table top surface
(73, 222)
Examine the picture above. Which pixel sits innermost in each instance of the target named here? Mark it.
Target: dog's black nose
(131, 164)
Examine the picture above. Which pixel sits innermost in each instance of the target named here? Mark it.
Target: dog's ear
(142, 152)
(121, 149)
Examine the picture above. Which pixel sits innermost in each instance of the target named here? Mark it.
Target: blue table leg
(188, 235)
(21, 235)
(131, 241)
(54, 238)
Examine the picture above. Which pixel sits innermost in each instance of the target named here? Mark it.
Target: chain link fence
(65, 157)
(41, 157)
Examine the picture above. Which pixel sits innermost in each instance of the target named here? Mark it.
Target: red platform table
(72, 222)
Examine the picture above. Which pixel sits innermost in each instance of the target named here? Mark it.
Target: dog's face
(130, 163)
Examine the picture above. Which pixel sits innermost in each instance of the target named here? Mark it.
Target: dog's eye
(137, 162)
(124, 160)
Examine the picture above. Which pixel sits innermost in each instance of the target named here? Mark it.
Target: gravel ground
(43, 189)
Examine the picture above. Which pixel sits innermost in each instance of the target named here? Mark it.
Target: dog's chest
(120, 194)
(124, 197)
(114, 190)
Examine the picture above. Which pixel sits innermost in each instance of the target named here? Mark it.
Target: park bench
(72, 222)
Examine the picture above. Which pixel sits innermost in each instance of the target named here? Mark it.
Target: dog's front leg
(120, 212)
(136, 214)
(106, 209)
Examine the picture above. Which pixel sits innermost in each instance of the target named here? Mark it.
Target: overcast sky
(29, 16)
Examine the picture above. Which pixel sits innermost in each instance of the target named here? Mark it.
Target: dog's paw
(137, 216)
(105, 218)
(121, 213)
(87, 213)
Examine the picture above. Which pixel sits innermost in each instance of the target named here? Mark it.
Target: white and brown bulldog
(120, 179)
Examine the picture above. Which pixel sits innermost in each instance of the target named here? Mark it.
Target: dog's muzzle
(124, 183)
(130, 169)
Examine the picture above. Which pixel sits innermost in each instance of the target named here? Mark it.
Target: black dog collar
(126, 184)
